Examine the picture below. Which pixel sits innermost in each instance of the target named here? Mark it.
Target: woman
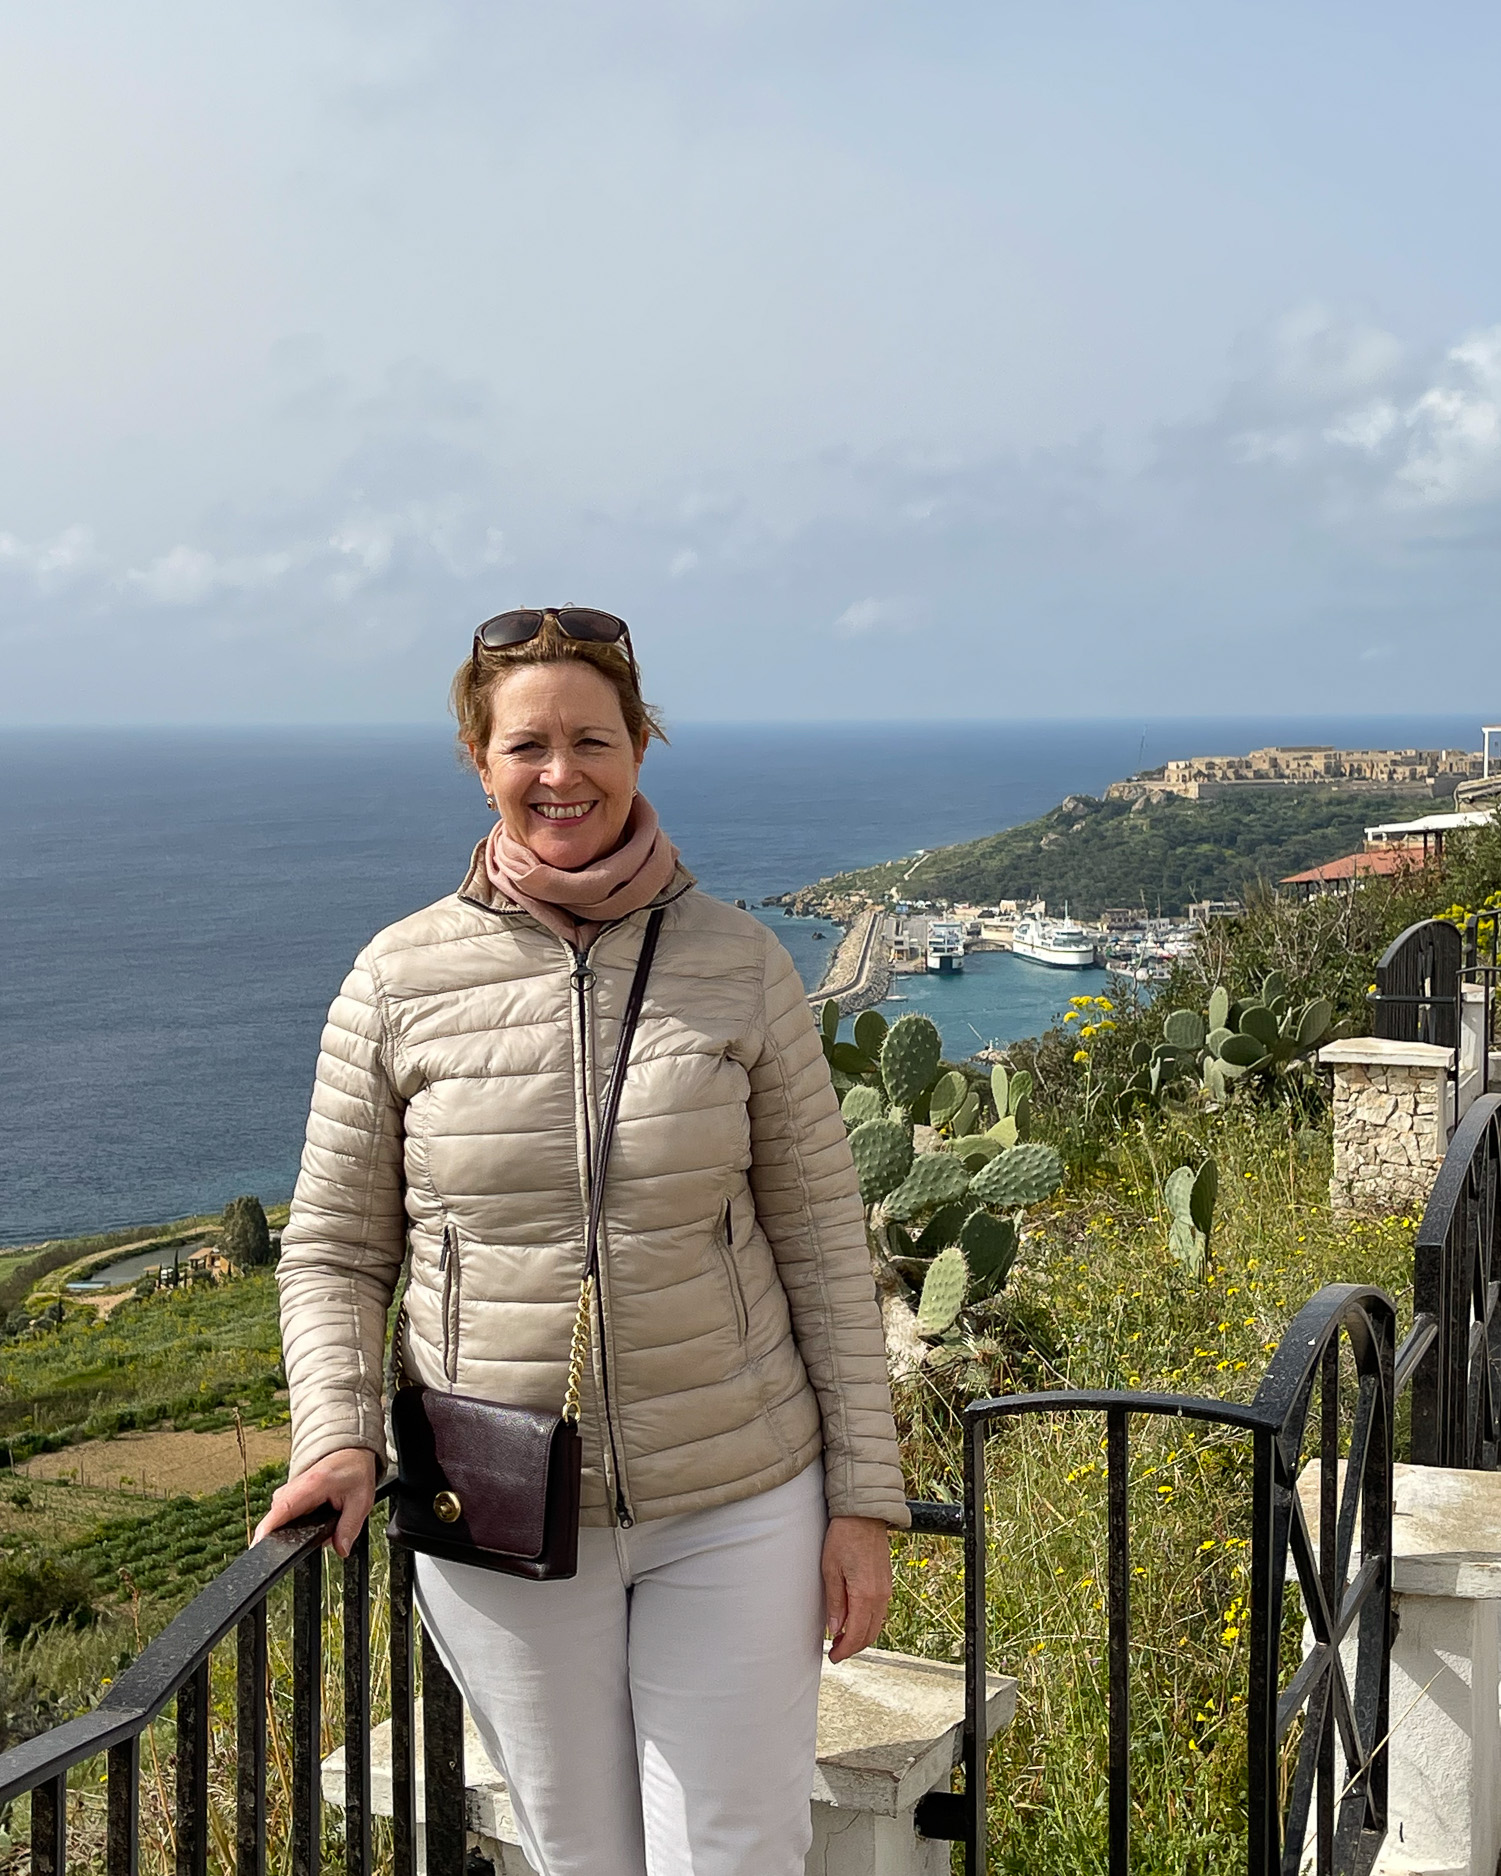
(657, 1712)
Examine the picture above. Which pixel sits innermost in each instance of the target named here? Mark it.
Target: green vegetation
(244, 1236)
(172, 1550)
(1161, 855)
(185, 1355)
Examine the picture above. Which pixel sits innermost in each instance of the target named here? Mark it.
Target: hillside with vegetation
(1141, 1269)
(1160, 853)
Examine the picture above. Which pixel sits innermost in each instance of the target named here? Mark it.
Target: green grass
(1096, 1301)
(181, 1355)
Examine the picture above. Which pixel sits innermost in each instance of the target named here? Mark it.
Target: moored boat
(1054, 941)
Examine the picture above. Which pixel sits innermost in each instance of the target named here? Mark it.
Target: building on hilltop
(1435, 772)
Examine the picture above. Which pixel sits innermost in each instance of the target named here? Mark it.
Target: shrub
(37, 1591)
(245, 1237)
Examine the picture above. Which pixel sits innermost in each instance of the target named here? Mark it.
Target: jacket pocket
(448, 1264)
(724, 1240)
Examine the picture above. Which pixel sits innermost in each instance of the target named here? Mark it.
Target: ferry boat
(945, 945)
(1054, 941)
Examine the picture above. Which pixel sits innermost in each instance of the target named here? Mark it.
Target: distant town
(901, 920)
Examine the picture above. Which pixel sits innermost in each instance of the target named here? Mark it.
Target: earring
(489, 801)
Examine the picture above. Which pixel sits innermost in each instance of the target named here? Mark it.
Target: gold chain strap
(581, 1328)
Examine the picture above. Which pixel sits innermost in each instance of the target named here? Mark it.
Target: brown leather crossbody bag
(482, 1482)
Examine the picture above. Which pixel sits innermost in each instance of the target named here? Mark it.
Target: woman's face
(560, 762)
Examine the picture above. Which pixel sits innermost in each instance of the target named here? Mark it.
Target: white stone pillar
(1390, 1124)
(1445, 1780)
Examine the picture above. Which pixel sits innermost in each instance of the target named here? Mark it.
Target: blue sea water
(178, 907)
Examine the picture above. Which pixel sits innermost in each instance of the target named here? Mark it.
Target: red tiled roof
(1380, 860)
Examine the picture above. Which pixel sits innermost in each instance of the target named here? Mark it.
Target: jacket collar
(478, 889)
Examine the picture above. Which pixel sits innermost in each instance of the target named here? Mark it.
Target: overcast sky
(873, 359)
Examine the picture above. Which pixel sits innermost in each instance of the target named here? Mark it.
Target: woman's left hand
(856, 1582)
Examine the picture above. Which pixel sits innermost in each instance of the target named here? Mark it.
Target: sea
(177, 907)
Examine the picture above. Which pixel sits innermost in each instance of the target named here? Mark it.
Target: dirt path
(163, 1462)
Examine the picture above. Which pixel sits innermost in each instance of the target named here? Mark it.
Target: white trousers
(657, 1714)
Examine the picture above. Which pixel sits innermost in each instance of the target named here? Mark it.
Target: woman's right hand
(345, 1480)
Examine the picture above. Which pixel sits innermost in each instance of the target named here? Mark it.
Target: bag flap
(494, 1458)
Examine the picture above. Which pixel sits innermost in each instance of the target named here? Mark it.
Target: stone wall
(1389, 1134)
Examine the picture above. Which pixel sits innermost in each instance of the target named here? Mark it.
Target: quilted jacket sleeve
(808, 1204)
(343, 1246)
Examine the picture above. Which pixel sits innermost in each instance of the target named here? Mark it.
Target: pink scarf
(576, 904)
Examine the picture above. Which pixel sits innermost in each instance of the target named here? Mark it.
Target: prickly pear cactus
(942, 1293)
(910, 1056)
(943, 1228)
(1184, 1029)
(1020, 1176)
(883, 1157)
(967, 1120)
(989, 1247)
(935, 1179)
(1219, 1007)
(949, 1093)
(870, 1033)
(1190, 1200)
(862, 1104)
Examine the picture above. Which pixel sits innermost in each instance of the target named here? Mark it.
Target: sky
(874, 360)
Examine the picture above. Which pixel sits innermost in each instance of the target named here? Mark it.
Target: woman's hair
(472, 694)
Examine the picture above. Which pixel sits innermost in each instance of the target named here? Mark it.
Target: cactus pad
(989, 1246)
(828, 1020)
(942, 1228)
(1184, 1029)
(861, 1104)
(883, 1157)
(1020, 1176)
(1000, 1088)
(1260, 1022)
(1243, 1051)
(1219, 1007)
(967, 1120)
(852, 1061)
(935, 1179)
(1314, 1022)
(1005, 1132)
(949, 1094)
(942, 1293)
(910, 1056)
(870, 1032)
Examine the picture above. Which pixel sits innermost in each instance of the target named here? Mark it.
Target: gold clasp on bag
(446, 1506)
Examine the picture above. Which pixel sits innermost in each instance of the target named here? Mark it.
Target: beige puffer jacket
(459, 1083)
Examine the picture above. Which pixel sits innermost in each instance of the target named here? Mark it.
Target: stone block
(889, 1732)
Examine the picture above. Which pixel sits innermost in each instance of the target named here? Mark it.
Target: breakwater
(859, 973)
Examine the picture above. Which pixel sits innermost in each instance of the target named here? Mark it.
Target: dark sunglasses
(579, 622)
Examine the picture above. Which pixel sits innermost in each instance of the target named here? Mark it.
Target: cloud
(1373, 434)
(683, 561)
(50, 563)
(877, 615)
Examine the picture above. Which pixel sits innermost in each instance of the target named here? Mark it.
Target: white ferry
(945, 945)
(1054, 941)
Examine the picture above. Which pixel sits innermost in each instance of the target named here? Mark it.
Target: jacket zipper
(732, 1271)
(448, 1265)
(583, 982)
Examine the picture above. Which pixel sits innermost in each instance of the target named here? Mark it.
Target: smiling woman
(699, 1306)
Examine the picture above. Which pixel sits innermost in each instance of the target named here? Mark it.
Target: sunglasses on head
(583, 623)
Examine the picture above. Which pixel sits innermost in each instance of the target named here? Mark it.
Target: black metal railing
(1336, 1783)
(177, 1665)
(1456, 1396)
(1320, 1793)
(1417, 985)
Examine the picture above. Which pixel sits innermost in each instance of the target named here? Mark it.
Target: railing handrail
(163, 1665)
(1454, 1171)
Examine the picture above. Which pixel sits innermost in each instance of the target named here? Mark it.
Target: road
(869, 961)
